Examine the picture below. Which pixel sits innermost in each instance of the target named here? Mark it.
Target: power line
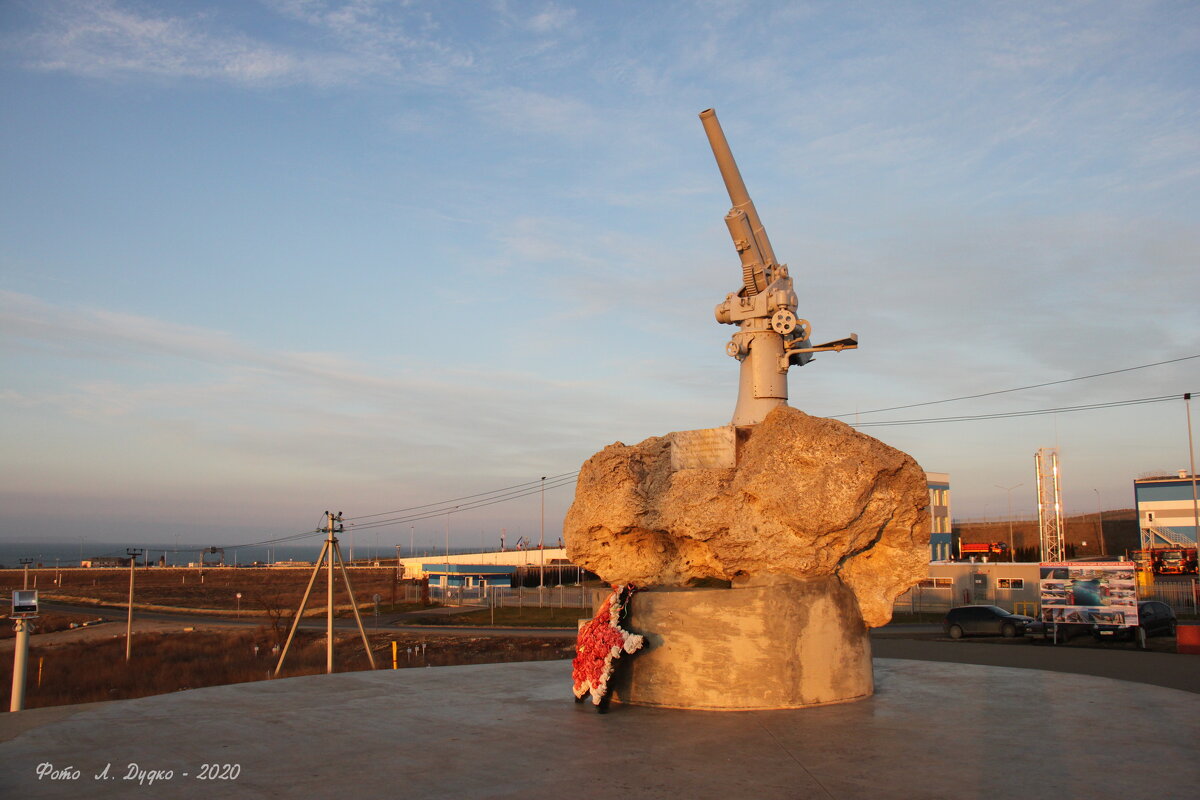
(566, 480)
(516, 491)
(1010, 414)
(1017, 389)
(466, 497)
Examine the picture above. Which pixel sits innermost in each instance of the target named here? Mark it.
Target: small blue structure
(469, 575)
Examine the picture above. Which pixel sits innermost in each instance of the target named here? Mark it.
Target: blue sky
(258, 259)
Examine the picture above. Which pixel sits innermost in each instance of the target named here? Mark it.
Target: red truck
(1175, 560)
(1142, 559)
(990, 549)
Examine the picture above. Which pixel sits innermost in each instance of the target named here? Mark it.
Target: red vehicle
(1175, 560)
(1143, 559)
(1171, 561)
(990, 549)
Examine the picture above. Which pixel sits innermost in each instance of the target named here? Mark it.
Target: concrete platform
(932, 730)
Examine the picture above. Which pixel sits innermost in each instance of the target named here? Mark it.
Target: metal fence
(1181, 596)
(560, 596)
(925, 599)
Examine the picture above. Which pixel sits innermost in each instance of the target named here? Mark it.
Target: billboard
(1089, 593)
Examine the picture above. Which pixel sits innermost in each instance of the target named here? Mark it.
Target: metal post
(20, 662)
(25, 562)
(133, 554)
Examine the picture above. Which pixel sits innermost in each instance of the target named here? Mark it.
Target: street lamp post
(1012, 553)
(542, 540)
(1100, 523)
(1187, 404)
(446, 588)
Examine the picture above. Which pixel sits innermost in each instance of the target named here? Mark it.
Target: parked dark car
(1155, 618)
(984, 621)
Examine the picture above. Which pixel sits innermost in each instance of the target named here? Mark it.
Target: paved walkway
(512, 731)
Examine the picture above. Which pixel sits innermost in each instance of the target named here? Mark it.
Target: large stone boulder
(810, 497)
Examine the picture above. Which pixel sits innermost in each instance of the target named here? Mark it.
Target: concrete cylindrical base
(787, 644)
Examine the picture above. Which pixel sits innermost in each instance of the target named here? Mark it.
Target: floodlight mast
(771, 337)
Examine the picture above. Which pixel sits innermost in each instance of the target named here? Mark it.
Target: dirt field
(264, 591)
(87, 666)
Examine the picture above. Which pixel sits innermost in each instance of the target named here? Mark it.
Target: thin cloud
(340, 43)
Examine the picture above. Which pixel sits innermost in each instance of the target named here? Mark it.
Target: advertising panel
(1089, 593)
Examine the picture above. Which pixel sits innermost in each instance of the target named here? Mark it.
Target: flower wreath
(600, 642)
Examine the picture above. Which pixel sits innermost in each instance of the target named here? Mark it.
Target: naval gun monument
(764, 549)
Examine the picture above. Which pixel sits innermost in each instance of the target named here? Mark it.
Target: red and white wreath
(600, 642)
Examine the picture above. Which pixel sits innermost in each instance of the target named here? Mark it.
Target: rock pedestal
(783, 644)
(767, 552)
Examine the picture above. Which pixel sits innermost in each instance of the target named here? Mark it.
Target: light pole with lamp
(1187, 404)
(542, 540)
(1100, 523)
(1012, 552)
(446, 586)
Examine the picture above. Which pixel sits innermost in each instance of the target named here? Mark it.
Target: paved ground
(933, 730)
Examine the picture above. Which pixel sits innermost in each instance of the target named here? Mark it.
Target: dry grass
(96, 670)
(263, 590)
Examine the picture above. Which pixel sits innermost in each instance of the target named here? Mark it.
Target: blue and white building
(941, 543)
(1166, 510)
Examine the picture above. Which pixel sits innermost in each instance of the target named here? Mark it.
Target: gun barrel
(733, 181)
(729, 169)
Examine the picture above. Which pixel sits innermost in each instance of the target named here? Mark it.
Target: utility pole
(329, 597)
(1012, 553)
(25, 562)
(333, 527)
(133, 555)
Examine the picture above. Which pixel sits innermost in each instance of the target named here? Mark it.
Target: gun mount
(771, 337)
